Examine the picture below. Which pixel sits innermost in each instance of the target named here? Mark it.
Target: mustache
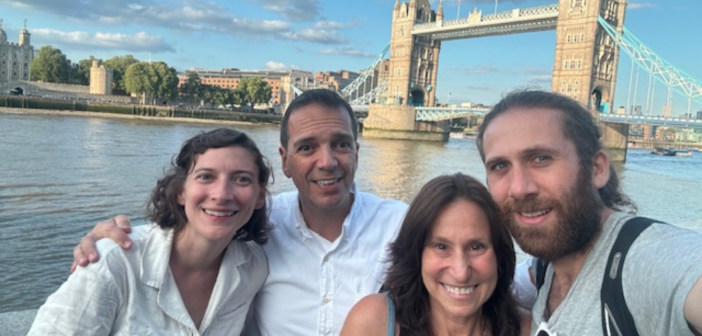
(530, 204)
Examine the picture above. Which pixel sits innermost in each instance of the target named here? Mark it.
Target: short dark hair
(404, 278)
(163, 208)
(578, 125)
(323, 97)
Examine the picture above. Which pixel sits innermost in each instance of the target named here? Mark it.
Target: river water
(59, 175)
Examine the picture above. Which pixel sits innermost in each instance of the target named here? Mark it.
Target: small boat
(683, 153)
(663, 151)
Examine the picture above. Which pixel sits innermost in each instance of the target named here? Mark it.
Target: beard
(577, 223)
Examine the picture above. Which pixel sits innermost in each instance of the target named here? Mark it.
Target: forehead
(230, 156)
(519, 128)
(461, 218)
(315, 119)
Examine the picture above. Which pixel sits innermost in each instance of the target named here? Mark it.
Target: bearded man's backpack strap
(616, 317)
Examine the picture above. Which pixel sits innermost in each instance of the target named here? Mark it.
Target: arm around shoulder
(367, 317)
(693, 307)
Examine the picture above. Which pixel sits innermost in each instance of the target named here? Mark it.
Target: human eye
(542, 158)
(243, 180)
(304, 148)
(497, 166)
(204, 177)
(477, 248)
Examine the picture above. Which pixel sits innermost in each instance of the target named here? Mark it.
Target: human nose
(326, 159)
(223, 191)
(521, 183)
(461, 267)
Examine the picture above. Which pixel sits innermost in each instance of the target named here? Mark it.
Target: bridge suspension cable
(656, 66)
(360, 80)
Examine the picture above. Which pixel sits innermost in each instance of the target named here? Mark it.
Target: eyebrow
(525, 153)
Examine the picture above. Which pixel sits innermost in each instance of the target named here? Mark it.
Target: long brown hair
(404, 279)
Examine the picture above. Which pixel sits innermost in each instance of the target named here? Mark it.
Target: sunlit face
(321, 157)
(220, 193)
(534, 174)
(459, 266)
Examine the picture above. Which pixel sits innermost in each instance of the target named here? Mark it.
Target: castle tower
(24, 37)
(100, 79)
(414, 60)
(585, 66)
(3, 35)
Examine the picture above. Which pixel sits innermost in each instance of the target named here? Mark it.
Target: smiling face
(321, 157)
(220, 193)
(459, 266)
(548, 199)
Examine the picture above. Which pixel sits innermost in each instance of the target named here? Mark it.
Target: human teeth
(535, 213)
(219, 213)
(326, 182)
(459, 290)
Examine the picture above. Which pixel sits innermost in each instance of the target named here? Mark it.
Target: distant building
(620, 110)
(15, 59)
(230, 77)
(100, 79)
(699, 114)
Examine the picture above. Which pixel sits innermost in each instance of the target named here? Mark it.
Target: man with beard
(557, 191)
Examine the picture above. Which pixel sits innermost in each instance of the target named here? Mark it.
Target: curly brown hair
(163, 208)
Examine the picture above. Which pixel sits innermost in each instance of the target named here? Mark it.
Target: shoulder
(115, 259)
(367, 317)
(370, 200)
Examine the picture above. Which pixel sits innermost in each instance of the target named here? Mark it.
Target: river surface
(59, 175)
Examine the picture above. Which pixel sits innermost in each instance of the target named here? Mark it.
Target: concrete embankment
(16, 323)
(255, 119)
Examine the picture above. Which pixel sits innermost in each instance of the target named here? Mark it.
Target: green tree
(119, 65)
(166, 80)
(51, 65)
(254, 90)
(139, 79)
(192, 89)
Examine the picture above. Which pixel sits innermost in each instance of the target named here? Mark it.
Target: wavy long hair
(163, 208)
(404, 279)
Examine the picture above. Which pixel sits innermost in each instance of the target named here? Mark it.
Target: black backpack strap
(540, 267)
(616, 317)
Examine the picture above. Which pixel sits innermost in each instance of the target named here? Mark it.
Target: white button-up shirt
(132, 292)
(311, 288)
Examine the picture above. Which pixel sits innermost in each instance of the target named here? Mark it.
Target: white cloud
(294, 10)
(321, 36)
(639, 5)
(138, 42)
(276, 66)
(347, 51)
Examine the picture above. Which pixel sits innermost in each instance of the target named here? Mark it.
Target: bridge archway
(416, 97)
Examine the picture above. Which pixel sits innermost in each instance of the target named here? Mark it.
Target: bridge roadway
(447, 113)
(477, 25)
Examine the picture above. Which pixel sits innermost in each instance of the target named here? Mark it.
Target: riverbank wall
(16, 323)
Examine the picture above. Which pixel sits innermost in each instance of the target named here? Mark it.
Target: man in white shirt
(329, 243)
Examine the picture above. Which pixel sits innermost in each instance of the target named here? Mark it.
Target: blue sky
(319, 35)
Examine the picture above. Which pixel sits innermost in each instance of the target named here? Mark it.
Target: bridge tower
(585, 66)
(413, 66)
(414, 60)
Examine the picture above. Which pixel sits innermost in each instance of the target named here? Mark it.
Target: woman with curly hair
(451, 269)
(196, 270)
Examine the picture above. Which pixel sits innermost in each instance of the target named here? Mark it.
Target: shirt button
(326, 258)
(325, 300)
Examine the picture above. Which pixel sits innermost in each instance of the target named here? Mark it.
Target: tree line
(156, 80)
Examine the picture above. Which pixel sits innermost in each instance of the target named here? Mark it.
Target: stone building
(100, 79)
(229, 78)
(15, 59)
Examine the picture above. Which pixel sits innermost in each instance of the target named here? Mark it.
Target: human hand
(116, 229)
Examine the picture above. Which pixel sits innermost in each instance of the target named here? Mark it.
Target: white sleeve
(86, 304)
(523, 288)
